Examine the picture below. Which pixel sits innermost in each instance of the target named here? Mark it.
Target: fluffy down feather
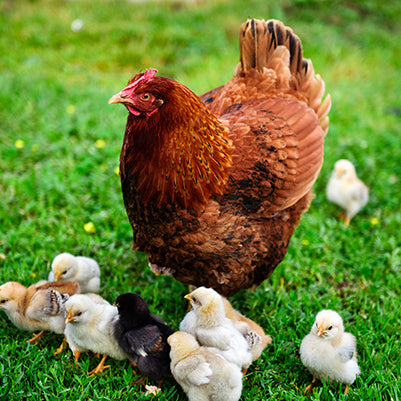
(346, 190)
(143, 336)
(201, 373)
(67, 267)
(328, 352)
(38, 307)
(89, 327)
(209, 325)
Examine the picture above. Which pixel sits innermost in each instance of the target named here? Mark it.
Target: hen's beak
(69, 318)
(117, 99)
(320, 330)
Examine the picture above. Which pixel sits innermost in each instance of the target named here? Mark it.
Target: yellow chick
(346, 190)
(328, 352)
(67, 267)
(208, 323)
(89, 327)
(203, 374)
(38, 307)
(253, 333)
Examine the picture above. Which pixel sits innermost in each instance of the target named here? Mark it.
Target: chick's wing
(145, 340)
(194, 369)
(43, 304)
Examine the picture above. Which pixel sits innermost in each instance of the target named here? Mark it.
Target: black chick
(143, 336)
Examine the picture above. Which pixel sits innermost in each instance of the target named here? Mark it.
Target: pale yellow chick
(203, 374)
(89, 327)
(346, 190)
(253, 333)
(328, 352)
(38, 307)
(67, 267)
(208, 323)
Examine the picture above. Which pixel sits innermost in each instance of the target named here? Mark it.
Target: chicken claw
(100, 368)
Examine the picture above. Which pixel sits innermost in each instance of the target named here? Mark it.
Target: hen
(214, 186)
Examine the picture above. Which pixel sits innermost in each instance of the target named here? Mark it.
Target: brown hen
(214, 186)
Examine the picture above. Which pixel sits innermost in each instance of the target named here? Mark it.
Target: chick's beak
(57, 276)
(339, 172)
(320, 330)
(69, 318)
(188, 297)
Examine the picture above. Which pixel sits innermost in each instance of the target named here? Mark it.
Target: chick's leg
(77, 354)
(346, 389)
(99, 368)
(36, 337)
(133, 366)
(59, 350)
(310, 386)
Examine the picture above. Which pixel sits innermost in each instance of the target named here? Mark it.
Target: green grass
(55, 84)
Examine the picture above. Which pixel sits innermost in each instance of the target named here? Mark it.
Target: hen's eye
(146, 96)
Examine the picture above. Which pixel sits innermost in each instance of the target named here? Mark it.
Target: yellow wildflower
(90, 228)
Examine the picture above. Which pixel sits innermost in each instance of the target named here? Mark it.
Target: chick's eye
(330, 327)
(3, 301)
(79, 314)
(146, 96)
(64, 272)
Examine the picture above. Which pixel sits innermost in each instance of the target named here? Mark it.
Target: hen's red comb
(148, 74)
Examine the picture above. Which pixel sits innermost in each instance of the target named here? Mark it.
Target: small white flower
(77, 25)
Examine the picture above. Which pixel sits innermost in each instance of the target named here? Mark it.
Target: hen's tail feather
(258, 39)
(270, 44)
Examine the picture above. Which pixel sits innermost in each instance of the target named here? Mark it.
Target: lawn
(60, 191)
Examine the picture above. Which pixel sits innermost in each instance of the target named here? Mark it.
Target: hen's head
(175, 150)
(140, 96)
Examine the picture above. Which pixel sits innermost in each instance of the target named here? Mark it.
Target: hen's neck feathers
(179, 154)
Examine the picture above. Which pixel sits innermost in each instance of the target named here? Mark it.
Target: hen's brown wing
(278, 152)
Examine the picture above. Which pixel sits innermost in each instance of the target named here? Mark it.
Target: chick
(143, 336)
(208, 323)
(328, 352)
(76, 268)
(346, 190)
(253, 333)
(203, 374)
(38, 307)
(89, 327)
